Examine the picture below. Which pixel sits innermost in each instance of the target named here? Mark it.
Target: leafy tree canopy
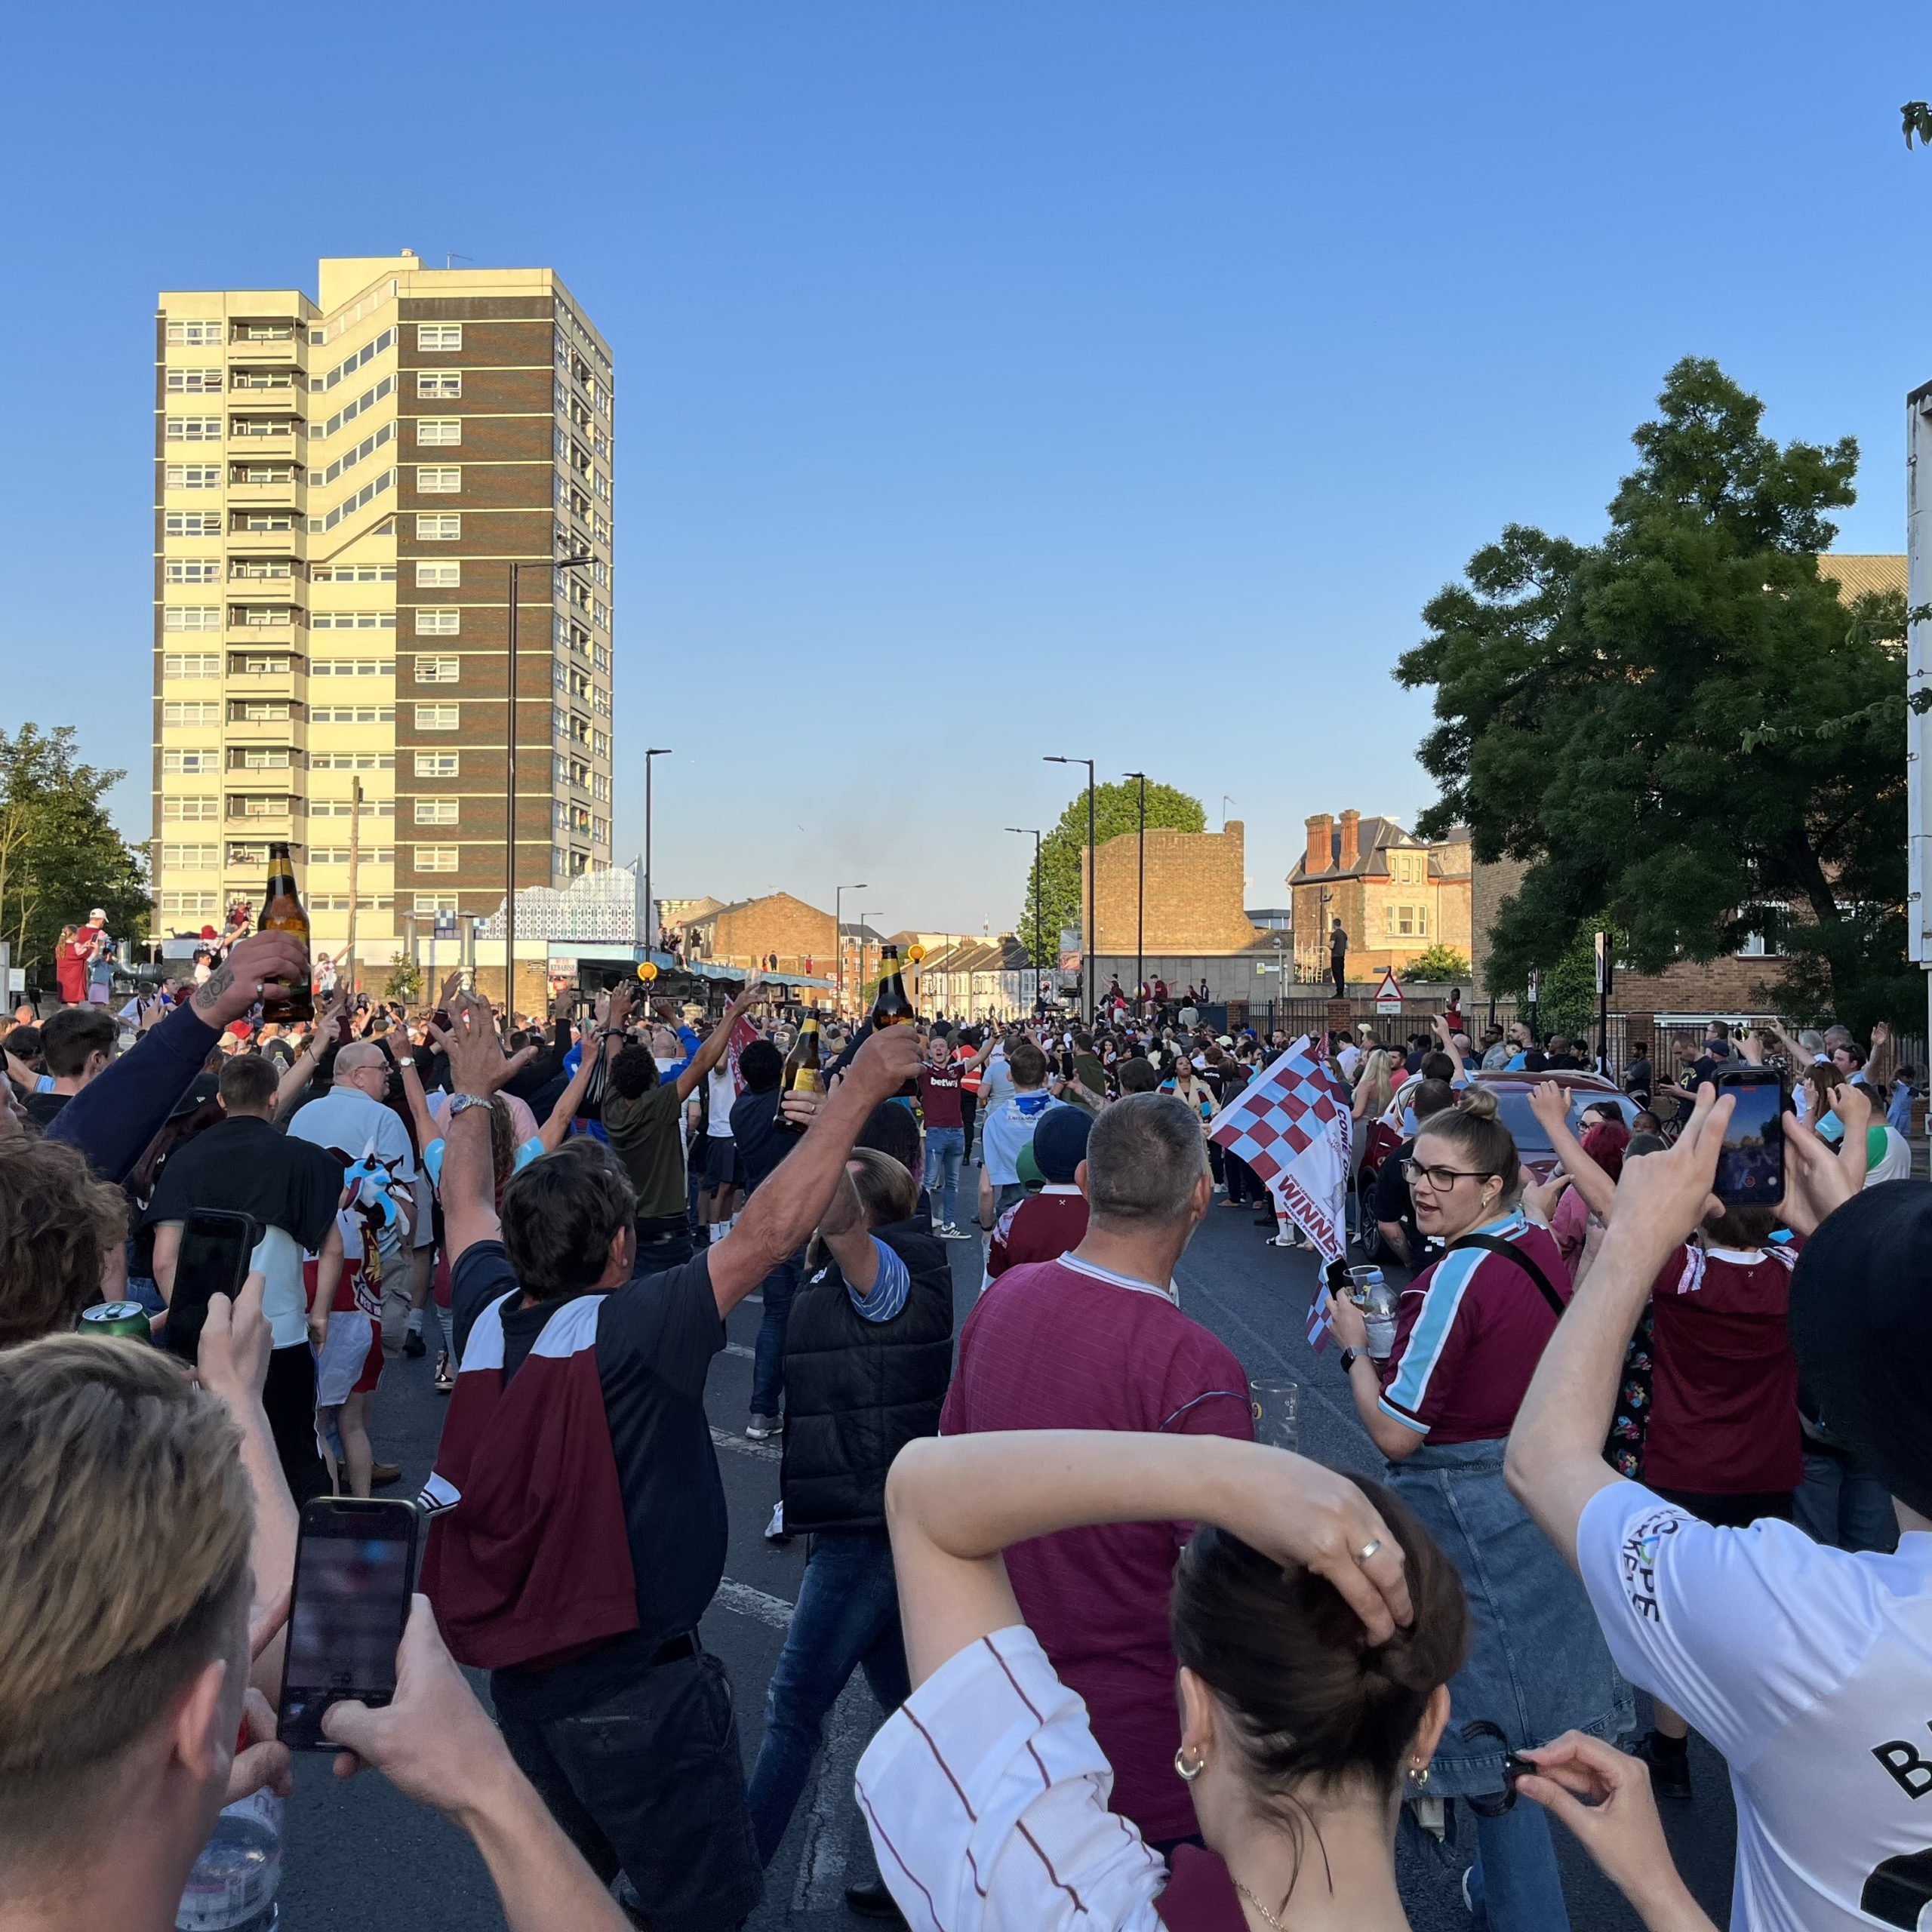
(1116, 809)
(60, 854)
(1437, 965)
(1682, 728)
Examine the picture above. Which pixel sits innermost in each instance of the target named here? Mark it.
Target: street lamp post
(839, 933)
(552, 565)
(1032, 832)
(1141, 896)
(1092, 883)
(649, 904)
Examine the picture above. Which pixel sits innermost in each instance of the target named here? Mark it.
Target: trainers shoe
(446, 1374)
(775, 1531)
(1670, 1770)
(759, 1427)
(953, 1232)
(381, 1474)
(872, 1900)
(413, 1343)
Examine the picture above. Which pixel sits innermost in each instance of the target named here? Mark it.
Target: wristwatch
(404, 1059)
(1350, 1357)
(462, 1103)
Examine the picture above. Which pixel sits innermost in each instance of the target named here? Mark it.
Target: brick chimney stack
(1350, 840)
(1321, 843)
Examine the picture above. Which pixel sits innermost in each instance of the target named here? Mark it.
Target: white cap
(98, 914)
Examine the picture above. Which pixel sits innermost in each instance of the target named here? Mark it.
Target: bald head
(364, 1065)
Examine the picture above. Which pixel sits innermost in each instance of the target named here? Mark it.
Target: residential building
(1396, 895)
(343, 485)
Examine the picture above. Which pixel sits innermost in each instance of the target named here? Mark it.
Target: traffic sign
(1389, 995)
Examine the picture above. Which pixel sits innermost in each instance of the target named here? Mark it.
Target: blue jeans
(768, 1354)
(1840, 1504)
(848, 1616)
(1516, 1886)
(945, 1147)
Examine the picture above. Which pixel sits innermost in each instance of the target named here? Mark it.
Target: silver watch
(462, 1103)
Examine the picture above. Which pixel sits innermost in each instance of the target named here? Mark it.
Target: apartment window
(377, 902)
(352, 620)
(192, 523)
(436, 811)
(250, 856)
(439, 385)
(203, 758)
(197, 664)
(264, 332)
(192, 617)
(437, 621)
(342, 808)
(438, 529)
(186, 810)
(194, 476)
(354, 573)
(261, 569)
(195, 381)
(274, 665)
(263, 711)
(254, 522)
(191, 331)
(435, 858)
(265, 758)
(338, 855)
(209, 713)
(194, 429)
(439, 718)
(352, 714)
(438, 764)
(435, 902)
(439, 670)
(186, 905)
(190, 858)
(446, 481)
(261, 616)
(439, 432)
(353, 667)
(193, 569)
(351, 762)
(438, 335)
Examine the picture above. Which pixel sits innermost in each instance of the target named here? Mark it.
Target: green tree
(60, 854)
(1116, 809)
(1682, 728)
(1437, 965)
(404, 980)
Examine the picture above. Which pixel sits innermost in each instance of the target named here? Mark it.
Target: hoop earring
(1184, 1770)
(1416, 1777)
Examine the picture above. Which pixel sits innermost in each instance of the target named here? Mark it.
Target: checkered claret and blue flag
(1291, 1126)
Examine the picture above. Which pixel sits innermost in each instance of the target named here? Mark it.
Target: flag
(1320, 1327)
(1291, 1126)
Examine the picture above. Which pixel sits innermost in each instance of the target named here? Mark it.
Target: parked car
(1586, 1092)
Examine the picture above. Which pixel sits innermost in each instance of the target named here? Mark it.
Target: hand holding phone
(1751, 1163)
(213, 1259)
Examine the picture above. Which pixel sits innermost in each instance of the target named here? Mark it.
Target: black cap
(204, 1088)
(1861, 1324)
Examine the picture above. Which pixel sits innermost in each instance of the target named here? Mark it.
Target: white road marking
(742, 1445)
(739, 1350)
(749, 1602)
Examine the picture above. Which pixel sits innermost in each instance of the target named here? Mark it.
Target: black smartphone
(213, 1260)
(354, 1568)
(1751, 1166)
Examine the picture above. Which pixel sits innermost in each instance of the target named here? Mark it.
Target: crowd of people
(1138, 1669)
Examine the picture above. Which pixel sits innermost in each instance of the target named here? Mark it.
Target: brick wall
(745, 935)
(1194, 893)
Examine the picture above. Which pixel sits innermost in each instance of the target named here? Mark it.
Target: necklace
(1257, 1903)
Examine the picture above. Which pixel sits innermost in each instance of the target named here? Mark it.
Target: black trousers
(288, 1400)
(1338, 965)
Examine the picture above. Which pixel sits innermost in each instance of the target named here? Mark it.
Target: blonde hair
(125, 1519)
(887, 1192)
(1374, 1088)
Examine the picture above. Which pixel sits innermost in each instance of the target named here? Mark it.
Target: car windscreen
(1512, 1107)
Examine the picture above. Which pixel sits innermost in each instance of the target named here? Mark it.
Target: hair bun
(1478, 1103)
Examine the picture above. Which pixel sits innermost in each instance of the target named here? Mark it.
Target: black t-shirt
(246, 1166)
(1637, 1077)
(656, 1337)
(45, 1107)
(1393, 1200)
(762, 1142)
(1709, 1066)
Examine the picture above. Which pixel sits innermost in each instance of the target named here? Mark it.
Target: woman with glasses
(1468, 1333)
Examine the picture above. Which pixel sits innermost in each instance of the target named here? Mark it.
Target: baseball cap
(97, 914)
(1060, 1142)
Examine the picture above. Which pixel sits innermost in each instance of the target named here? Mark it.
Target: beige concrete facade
(342, 484)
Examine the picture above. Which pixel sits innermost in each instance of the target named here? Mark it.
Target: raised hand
(477, 1062)
(235, 985)
(890, 1056)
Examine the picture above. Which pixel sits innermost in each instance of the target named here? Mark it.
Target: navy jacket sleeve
(113, 1118)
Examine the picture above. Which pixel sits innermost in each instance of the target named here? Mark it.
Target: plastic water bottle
(1378, 1301)
(232, 1888)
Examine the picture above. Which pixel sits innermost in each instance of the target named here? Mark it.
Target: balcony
(263, 684)
(270, 353)
(266, 814)
(259, 542)
(278, 734)
(280, 496)
(250, 441)
(286, 381)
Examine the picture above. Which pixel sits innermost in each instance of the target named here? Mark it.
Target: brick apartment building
(1396, 895)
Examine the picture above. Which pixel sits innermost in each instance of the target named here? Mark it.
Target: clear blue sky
(992, 379)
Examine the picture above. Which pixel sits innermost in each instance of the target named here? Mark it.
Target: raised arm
(479, 1065)
(418, 1102)
(1446, 1041)
(303, 1067)
(1598, 1190)
(597, 1047)
(712, 1051)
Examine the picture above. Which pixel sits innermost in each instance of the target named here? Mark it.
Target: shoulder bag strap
(1495, 1245)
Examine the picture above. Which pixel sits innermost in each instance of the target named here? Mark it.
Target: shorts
(1738, 1511)
(722, 1167)
(424, 1231)
(351, 1358)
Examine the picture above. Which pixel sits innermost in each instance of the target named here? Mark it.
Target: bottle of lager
(892, 1008)
(281, 912)
(803, 1073)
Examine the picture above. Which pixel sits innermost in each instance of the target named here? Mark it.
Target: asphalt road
(361, 1858)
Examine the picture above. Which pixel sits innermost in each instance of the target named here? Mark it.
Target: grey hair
(1144, 1158)
(357, 1054)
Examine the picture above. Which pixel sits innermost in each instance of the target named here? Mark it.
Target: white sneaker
(774, 1530)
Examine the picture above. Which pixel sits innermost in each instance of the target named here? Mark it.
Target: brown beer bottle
(281, 912)
(892, 1008)
(803, 1073)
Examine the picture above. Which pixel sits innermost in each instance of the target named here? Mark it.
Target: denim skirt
(1538, 1665)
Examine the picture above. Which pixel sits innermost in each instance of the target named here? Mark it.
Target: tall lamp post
(649, 904)
(553, 565)
(1140, 895)
(1032, 832)
(839, 933)
(1092, 883)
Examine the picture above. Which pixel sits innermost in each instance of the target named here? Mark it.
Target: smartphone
(354, 1568)
(1751, 1166)
(213, 1260)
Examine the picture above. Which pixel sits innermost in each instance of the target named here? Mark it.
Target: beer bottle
(892, 1008)
(802, 1070)
(281, 912)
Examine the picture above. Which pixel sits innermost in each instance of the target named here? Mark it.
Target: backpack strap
(1495, 1245)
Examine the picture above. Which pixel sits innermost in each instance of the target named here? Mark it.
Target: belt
(675, 1650)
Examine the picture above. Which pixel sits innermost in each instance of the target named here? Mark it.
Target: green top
(643, 1134)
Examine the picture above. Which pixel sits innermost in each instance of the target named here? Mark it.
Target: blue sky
(991, 380)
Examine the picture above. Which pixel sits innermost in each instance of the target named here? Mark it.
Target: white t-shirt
(284, 1294)
(1349, 1059)
(721, 1091)
(351, 1120)
(1809, 1670)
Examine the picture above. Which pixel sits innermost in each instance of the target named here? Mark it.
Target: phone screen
(213, 1260)
(1751, 1167)
(354, 1565)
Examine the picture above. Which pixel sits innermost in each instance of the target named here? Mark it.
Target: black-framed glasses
(1493, 1805)
(1442, 1179)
